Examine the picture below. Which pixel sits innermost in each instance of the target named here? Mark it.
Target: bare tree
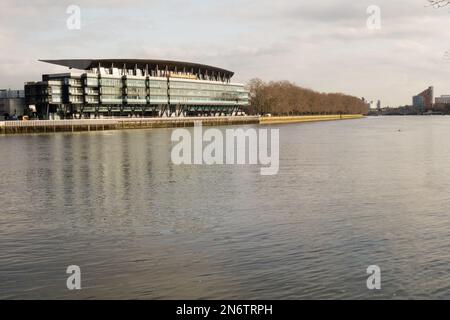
(286, 98)
(439, 3)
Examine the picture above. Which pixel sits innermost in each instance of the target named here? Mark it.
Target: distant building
(444, 99)
(424, 100)
(12, 103)
(372, 105)
(418, 102)
(442, 104)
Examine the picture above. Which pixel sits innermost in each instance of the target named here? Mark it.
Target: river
(348, 194)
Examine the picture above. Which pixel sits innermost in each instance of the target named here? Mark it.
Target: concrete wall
(35, 126)
(314, 118)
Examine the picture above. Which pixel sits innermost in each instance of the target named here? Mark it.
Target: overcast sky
(324, 45)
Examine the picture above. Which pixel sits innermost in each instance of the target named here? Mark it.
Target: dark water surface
(349, 194)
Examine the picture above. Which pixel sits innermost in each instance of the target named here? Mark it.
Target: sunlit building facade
(135, 88)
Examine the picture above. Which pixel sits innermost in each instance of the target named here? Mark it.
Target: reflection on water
(349, 194)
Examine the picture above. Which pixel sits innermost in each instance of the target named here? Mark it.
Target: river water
(348, 194)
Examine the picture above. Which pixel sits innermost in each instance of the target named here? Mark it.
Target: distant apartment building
(424, 100)
(12, 103)
(418, 102)
(442, 103)
(443, 99)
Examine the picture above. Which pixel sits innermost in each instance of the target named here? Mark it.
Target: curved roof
(86, 64)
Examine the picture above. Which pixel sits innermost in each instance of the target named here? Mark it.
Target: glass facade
(112, 93)
(206, 93)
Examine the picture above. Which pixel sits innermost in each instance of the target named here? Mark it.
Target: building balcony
(136, 101)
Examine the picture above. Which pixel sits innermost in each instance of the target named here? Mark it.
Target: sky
(324, 45)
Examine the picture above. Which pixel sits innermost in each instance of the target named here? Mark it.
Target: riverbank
(48, 126)
(44, 126)
(314, 118)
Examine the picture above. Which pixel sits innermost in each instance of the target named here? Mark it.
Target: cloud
(324, 44)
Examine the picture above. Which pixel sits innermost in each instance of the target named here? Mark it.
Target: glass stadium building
(140, 88)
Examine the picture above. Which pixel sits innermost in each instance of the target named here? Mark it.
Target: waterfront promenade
(73, 125)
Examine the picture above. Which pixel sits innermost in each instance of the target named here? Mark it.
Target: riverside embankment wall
(39, 126)
(47, 126)
(314, 118)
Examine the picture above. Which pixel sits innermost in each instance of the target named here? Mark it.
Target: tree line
(286, 98)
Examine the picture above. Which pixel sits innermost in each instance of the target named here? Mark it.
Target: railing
(116, 123)
(49, 123)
